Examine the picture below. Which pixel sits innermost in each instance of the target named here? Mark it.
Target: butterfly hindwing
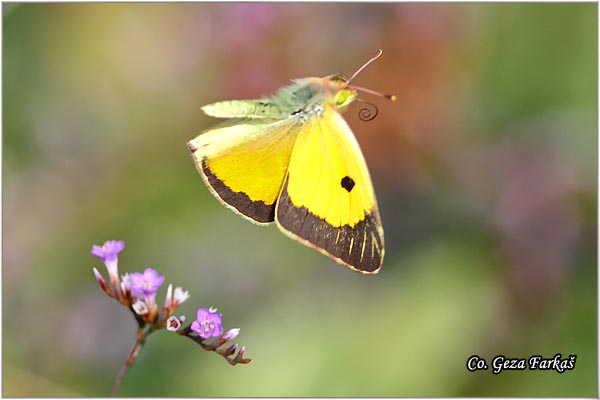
(327, 200)
(244, 163)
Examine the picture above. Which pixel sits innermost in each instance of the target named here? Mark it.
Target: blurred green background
(485, 172)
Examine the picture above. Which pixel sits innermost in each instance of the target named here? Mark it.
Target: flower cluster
(137, 291)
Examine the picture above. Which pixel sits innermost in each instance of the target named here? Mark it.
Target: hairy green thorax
(332, 91)
(305, 93)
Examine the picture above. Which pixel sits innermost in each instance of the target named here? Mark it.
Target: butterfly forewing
(244, 164)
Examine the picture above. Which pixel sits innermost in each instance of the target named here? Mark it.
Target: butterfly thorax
(310, 97)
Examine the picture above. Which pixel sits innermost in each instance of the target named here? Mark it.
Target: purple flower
(207, 323)
(109, 250)
(146, 284)
(109, 253)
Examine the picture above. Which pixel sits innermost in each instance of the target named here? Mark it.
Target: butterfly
(292, 159)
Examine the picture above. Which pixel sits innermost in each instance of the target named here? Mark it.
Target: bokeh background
(485, 172)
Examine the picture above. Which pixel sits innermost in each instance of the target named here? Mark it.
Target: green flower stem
(140, 340)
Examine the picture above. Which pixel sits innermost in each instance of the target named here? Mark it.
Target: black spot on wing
(347, 183)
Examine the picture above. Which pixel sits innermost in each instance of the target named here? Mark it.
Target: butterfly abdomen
(262, 108)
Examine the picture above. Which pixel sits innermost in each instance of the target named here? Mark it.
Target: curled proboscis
(369, 112)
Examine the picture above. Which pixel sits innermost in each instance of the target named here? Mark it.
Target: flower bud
(231, 334)
(140, 307)
(103, 283)
(181, 296)
(173, 324)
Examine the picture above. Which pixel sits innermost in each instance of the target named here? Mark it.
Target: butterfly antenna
(362, 89)
(375, 57)
(391, 97)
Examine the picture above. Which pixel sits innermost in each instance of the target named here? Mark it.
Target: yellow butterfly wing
(244, 163)
(327, 200)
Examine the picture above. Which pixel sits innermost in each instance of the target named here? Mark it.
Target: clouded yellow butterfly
(291, 158)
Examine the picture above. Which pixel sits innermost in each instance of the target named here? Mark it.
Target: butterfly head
(345, 93)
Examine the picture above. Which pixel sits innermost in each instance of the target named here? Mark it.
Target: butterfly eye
(339, 79)
(344, 97)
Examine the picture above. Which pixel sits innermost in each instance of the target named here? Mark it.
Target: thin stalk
(140, 339)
